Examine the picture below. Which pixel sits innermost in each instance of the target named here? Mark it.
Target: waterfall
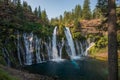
(81, 48)
(28, 47)
(37, 48)
(70, 42)
(60, 46)
(54, 45)
(18, 48)
(78, 48)
(6, 56)
(48, 46)
(90, 45)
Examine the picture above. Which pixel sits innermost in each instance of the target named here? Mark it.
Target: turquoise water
(86, 69)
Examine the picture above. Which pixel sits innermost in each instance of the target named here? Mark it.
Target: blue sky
(54, 8)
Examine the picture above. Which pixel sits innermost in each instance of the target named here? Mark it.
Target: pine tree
(18, 3)
(103, 6)
(44, 17)
(29, 8)
(60, 18)
(39, 12)
(25, 5)
(36, 12)
(112, 41)
(86, 13)
(97, 14)
(15, 2)
(78, 12)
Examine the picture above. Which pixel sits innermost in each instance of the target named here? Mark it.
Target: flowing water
(31, 49)
(70, 43)
(54, 45)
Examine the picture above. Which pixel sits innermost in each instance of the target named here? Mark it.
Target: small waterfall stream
(90, 45)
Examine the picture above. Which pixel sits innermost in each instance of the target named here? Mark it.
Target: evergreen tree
(44, 17)
(67, 17)
(103, 6)
(60, 19)
(86, 13)
(97, 14)
(78, 12)
(18, 3)
(112, 41)
(36, 12)
(29, 8)
(14, 2)
(25, 5)
(6, 2)
(39, 12)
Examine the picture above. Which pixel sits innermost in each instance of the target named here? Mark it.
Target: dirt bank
(21, 75)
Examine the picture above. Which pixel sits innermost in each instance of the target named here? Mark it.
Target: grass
(100, 54)
(6, 76)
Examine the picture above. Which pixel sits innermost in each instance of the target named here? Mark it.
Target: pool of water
(85, 69)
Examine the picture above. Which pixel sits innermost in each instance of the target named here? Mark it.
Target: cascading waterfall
(78, 47)
(28, 48)
(37, 48)
(32, 45)
(81, 48)
(54, 45)
(70, 42)
(6, 56)
(60, 46)
(48, 46)
(18, 48)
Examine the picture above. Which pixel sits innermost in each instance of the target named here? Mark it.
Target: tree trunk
(112, 42)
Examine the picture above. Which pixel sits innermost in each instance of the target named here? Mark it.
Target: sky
(55, 8)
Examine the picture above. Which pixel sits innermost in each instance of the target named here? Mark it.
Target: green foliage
(61, 32)
(39, 12)
(93, 50)
(78, 12)
(78, 36)
(118, 40)
(36, 12)
(86, 13)
(25, 5)
(102, 42)
(118, 17)
(5, 76)
(103, 6)
(44, 17)
(2, 61)
(97, 14)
